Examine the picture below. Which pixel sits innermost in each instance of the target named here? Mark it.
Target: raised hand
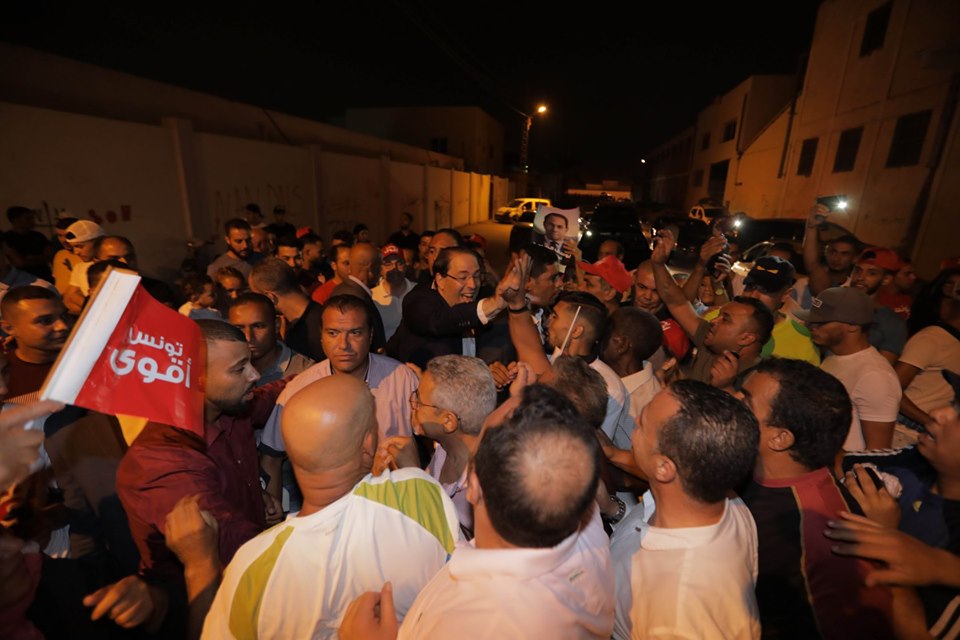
(663, 245)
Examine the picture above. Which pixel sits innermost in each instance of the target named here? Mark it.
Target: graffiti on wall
(47, 214)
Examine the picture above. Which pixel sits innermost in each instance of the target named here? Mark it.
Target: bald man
(539, 566)
(354, 532)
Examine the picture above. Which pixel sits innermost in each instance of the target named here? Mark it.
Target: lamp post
(524, 150)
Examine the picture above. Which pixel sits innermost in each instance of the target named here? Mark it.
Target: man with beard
(256, 316)
(239, 253)
(389, 294)
(839, 256)
(874, 269)
(166, 463)
(729, 345)
(314, 262)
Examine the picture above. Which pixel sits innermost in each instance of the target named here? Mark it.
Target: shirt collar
(636, 380)
(362, 284)
(523, 563)
(662, 539)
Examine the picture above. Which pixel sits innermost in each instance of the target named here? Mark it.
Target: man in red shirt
(166, 463)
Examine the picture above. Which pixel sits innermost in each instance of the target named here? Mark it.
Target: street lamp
(524, 149)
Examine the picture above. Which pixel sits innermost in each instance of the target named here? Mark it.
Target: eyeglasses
(464, 279)
(416, 403)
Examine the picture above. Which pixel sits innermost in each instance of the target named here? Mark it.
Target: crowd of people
(401, 442)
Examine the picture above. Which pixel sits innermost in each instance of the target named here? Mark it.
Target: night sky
(619, 78)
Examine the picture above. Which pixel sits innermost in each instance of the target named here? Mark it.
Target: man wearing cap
(874, 269)
(389, 294)
(607, 279)
(81, 236)
(838, 321)
(770, 281)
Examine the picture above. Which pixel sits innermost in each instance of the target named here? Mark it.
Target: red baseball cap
(886, 259)
(477, 239)
(391, 251)
(611, 270)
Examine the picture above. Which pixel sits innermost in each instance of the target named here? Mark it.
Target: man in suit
(443, 318)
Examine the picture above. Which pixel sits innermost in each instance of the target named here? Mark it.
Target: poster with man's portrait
(557, 225)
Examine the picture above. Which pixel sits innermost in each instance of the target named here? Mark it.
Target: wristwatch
(621, 511)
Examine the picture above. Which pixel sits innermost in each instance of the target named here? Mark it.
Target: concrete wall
(119, 173)
(40, 79)
(161, 184)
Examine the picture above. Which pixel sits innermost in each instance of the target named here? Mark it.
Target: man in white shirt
(389, 294)
(455, 396)
(347, 334)
(354, 532)
(539, 566)
(839, 321)
(686, 557)
(633, 337)
(81, 235)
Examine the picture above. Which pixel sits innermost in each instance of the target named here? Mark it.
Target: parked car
(618, 221)
(518, 207)
(691, 234)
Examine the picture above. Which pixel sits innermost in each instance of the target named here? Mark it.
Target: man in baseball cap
(606, 279)
(839, 319)
(389, 293)
(82, 236)
(874, 270)
(770, 281)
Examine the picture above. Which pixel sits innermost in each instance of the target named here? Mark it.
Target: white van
(518, 207)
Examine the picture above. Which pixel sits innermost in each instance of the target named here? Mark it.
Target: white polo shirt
(641, 386)
(617, 424)
(695, 582)
(562, 592)
(297, 579)
(390, 382)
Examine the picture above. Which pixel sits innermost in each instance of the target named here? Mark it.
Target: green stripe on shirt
(245, 608)
(418, 499)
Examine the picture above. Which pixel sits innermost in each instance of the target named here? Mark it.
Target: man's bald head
(539, 471)
(330, 423)
(365, 263)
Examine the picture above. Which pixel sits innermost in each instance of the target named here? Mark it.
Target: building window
(705, 141)
(729, 130)
(875, 31)
(808, 152)
(847, 149)
(908, 139)
(438, 144)
(698, 178)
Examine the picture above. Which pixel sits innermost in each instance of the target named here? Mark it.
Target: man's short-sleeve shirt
(390, 382)
(297, 579)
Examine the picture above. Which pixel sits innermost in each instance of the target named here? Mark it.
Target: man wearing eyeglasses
(443, 319)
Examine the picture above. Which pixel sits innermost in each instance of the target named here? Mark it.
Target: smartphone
(833, 203)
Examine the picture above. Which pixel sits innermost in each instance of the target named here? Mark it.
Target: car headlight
(589, 233)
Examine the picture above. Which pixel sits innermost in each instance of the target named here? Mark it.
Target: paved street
(498, 237)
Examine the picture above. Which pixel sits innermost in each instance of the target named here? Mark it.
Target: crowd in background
(399, 441)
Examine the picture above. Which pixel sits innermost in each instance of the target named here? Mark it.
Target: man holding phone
(840, 253)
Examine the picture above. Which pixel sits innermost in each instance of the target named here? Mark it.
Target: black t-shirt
(409, 241)
(303, 335)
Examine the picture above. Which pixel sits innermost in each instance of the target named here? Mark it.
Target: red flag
(131, 355)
